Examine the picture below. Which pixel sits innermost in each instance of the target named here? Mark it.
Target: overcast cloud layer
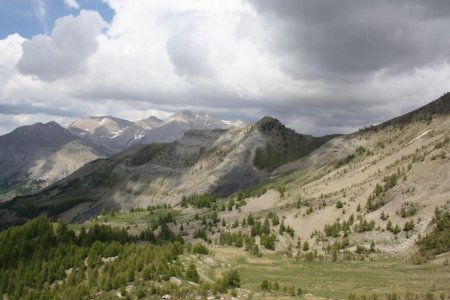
(319, 66)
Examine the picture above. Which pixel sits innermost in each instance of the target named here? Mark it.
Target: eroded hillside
(378, 188)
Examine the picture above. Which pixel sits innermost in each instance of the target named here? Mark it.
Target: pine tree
(250, 220)
(305, 246)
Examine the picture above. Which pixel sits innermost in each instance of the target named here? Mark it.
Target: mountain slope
(380, 185)
(436, 108)
(34, 156)
(214, 161)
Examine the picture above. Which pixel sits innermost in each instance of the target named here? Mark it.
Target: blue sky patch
(31, 17)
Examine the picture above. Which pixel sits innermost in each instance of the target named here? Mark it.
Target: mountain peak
(92, 123)
(190, 114)
(41, 128)
(149, 123)
(52, 123)
(269, 124)
(50, 133)
(187, 116)
(153, 119)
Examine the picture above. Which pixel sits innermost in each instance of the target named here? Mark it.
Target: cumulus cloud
(11, 51)
(319, 66)
(188, 55)
(65, 52)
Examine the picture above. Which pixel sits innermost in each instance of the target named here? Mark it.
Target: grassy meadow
(338, 280)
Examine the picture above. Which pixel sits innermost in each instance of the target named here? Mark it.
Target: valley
(358, 216)
(224, 150)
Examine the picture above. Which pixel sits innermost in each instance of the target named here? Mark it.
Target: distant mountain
(34, 156)
(218, 161)
(112, 133)
(117, 134)
(149, 123)
(177, 124)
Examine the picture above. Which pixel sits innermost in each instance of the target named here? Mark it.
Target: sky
(320, 66)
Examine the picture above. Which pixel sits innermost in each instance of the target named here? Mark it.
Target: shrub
(409, 226)
(305, 246)
(199, 248)
(192, 274)
(333, 229)
(360, 249)
(230, 279)
(268, 241)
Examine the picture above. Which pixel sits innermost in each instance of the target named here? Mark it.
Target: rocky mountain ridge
(117, 134)
(37, 155)
(217, 161)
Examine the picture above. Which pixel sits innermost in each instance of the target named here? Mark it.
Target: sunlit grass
(338, 279)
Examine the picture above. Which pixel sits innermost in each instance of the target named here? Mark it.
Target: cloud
(65, 52)
(11, 51)
(40, 11)
(351, 39)
(188, 55)
(72, 4)
(319, 66)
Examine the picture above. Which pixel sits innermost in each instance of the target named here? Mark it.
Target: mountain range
(117, 134)
(381, 187)
(217, 161)
(35, 156)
